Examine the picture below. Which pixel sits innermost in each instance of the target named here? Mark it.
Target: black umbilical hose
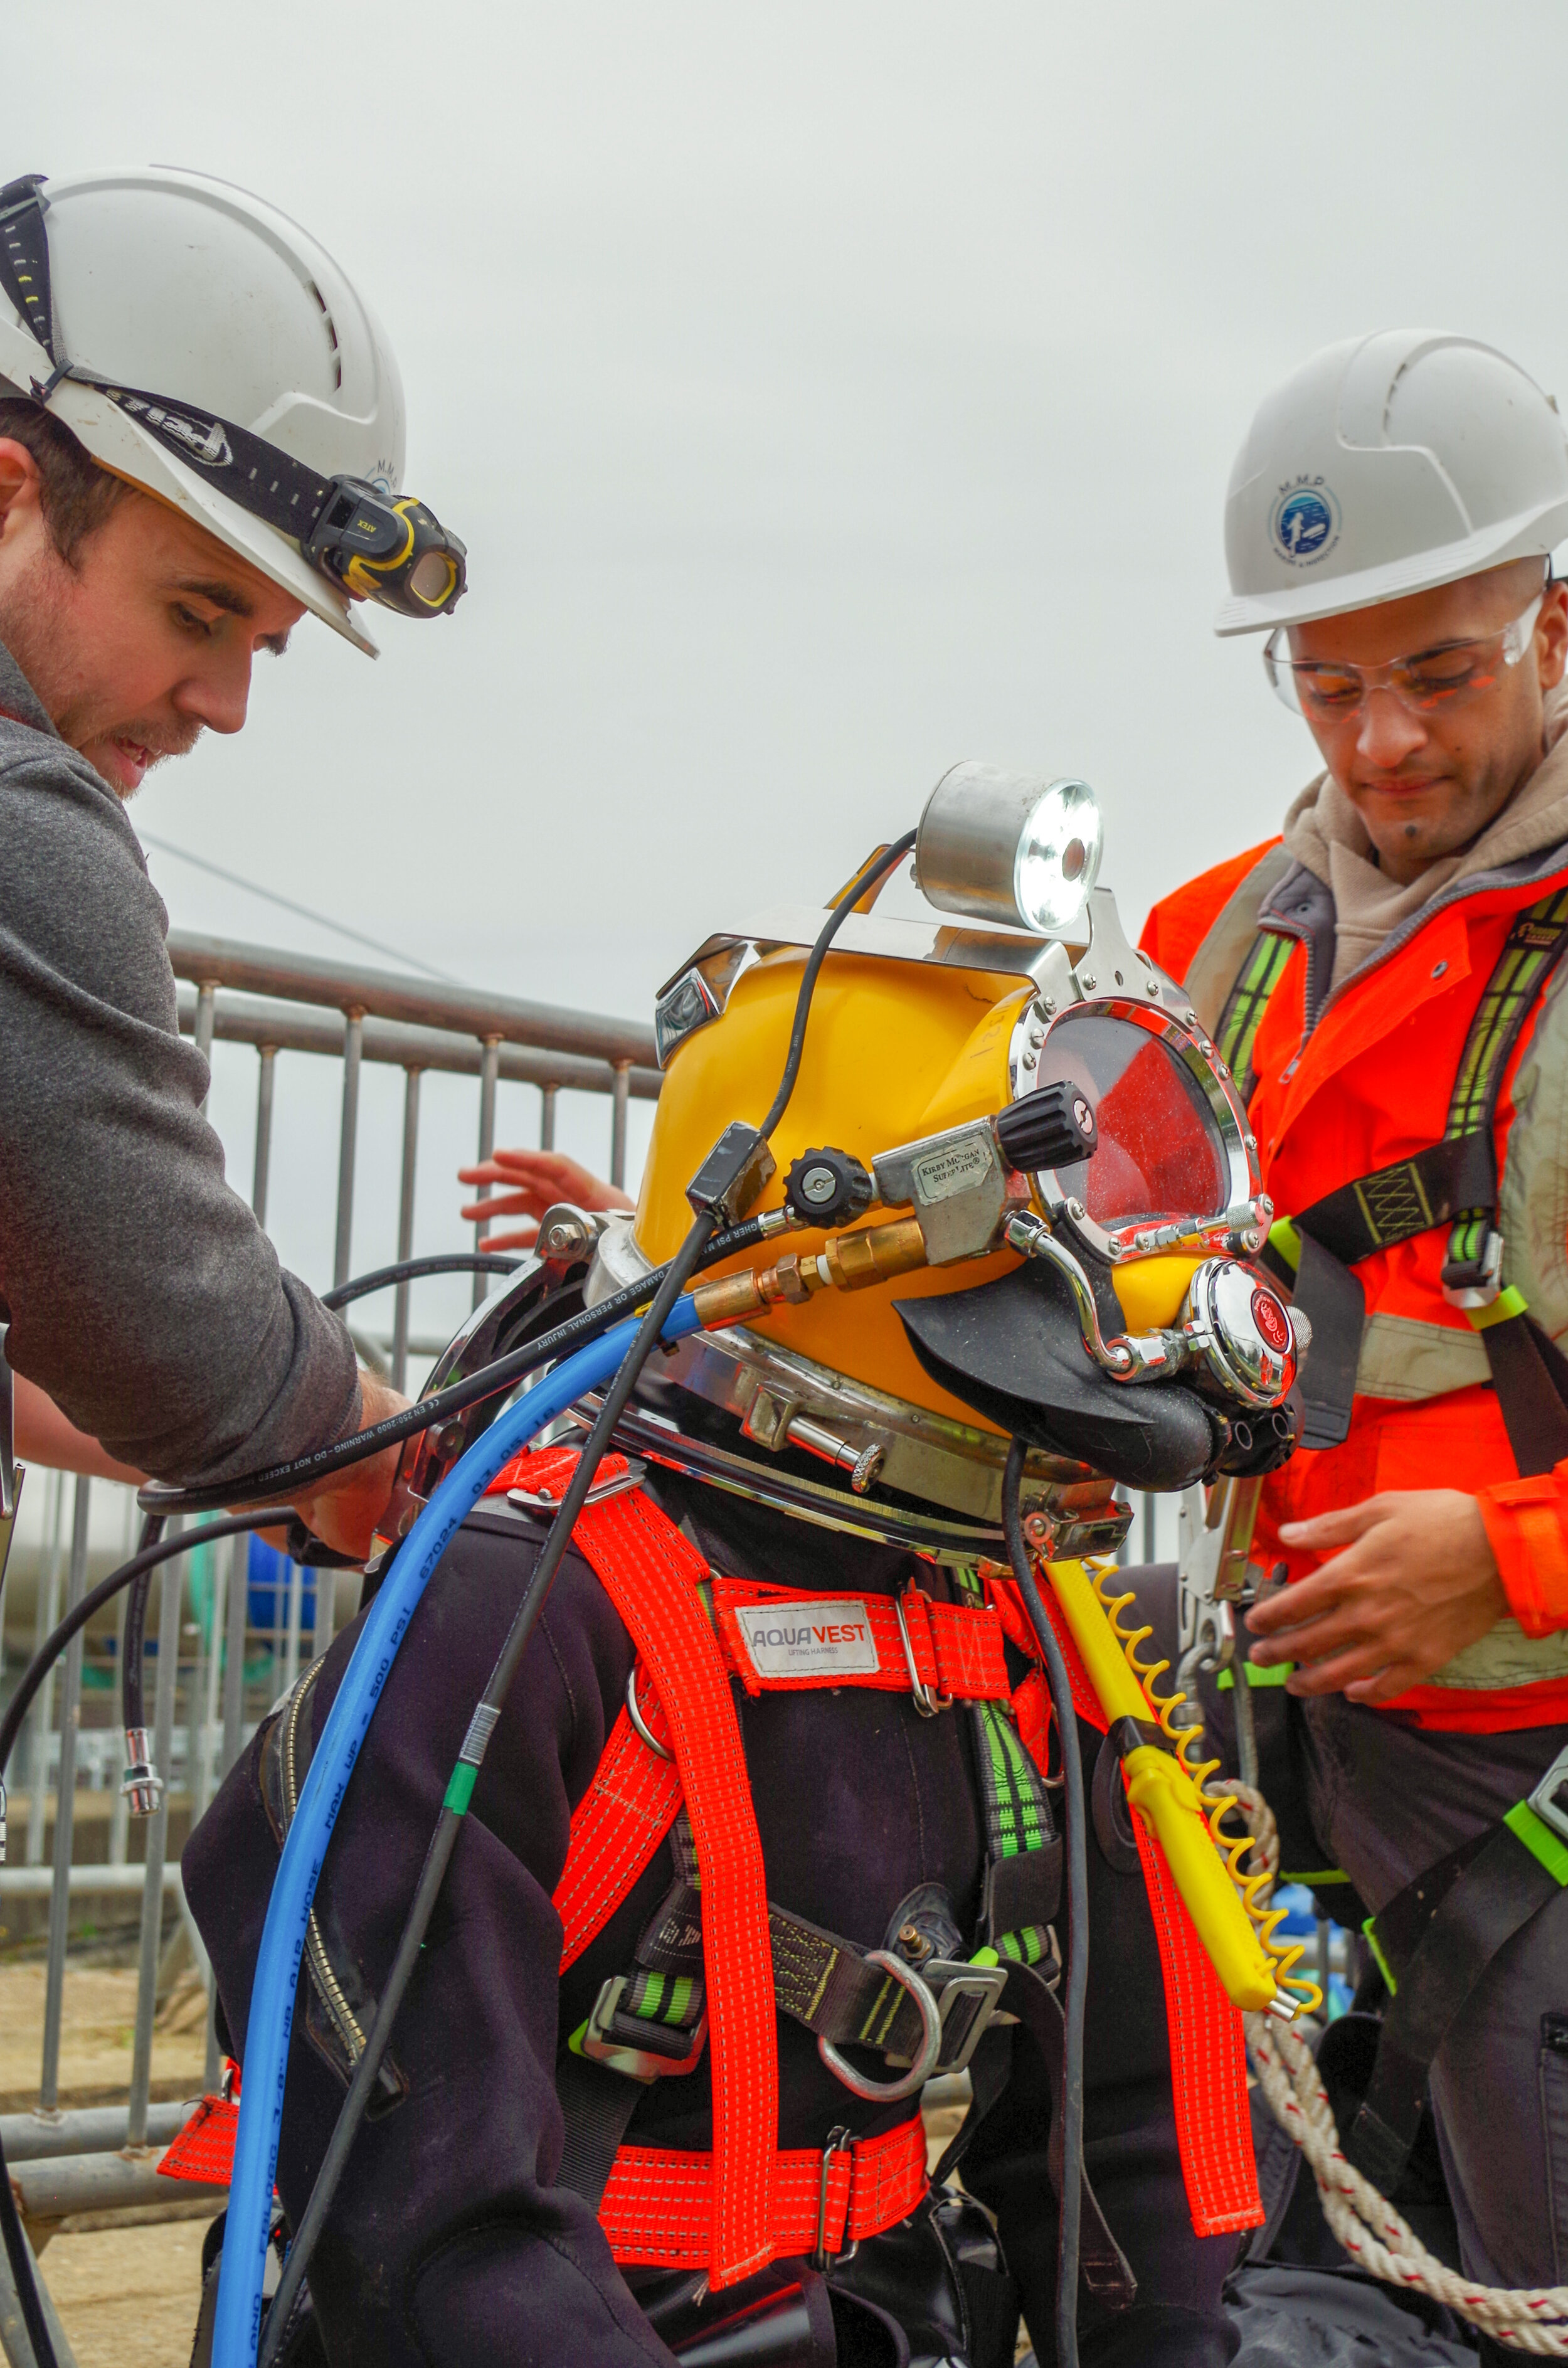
(132, 1703)
(702, 1246)
(1077, 1974)
(297, 1477)
(410, 1270)
(151, 1552)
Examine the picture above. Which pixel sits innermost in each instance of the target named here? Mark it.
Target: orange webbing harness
(1207, 2053)
(649, 1573)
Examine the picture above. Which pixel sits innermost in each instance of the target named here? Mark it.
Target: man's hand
(1416, 1581)
(538, 1179)
(345, 1511)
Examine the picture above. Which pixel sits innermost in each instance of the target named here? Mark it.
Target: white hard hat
(1387, 465)
(200, 343)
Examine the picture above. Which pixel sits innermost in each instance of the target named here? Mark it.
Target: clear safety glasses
(1325, 689)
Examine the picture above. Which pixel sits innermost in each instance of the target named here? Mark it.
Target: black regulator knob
(1052, 1127)
(827, 1188)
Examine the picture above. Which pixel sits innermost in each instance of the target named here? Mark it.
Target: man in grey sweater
(140, 1296)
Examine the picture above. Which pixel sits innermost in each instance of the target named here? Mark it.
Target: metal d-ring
(926, 1701)
(638, 1721)
(887, 2092)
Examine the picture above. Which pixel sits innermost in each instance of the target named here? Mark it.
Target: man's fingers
(1363, 1664)
(1396, 1679)
(524, 1239)
(504, 1204)
(1336, 1529)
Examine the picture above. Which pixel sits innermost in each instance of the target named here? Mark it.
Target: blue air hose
(238, 2323)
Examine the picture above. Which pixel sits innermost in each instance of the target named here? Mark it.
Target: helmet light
(1013, 847)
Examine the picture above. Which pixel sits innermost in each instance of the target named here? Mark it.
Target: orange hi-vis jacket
(1349, 1082)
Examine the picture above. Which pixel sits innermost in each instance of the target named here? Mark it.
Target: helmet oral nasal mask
(362, 536)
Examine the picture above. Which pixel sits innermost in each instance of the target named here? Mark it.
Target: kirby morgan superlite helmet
(1019, 1188)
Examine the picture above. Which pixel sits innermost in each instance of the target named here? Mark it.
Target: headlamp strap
(24, 262)
(261, 478)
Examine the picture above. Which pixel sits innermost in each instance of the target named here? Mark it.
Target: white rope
(1529, 2318)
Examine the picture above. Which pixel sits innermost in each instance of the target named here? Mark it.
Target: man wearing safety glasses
(1384, 982)
(201, 430)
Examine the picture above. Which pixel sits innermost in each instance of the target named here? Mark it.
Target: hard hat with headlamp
(1388, 465)
(203, 347)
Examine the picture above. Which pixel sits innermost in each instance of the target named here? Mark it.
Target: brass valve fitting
(847, 1262)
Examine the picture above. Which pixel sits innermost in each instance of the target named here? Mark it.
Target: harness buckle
(634, 1713)
(928, 1702)
(647, 2063)
(839, 2141)
(539, 1501)
(967, 1996)
(887, 2092)
(1482, 1284)
(1544, 1800)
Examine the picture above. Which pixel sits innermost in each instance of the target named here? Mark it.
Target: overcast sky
(825, 393)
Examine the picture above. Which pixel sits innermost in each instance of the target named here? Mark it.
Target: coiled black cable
(151, 1552)
(700, 1247)
(1077, 1974)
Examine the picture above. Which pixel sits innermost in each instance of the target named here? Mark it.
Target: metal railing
(218, 1667)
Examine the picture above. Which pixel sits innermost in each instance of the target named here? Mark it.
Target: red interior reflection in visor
(1160, 1155)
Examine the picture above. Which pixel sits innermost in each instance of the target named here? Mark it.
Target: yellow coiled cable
(1189, 1742)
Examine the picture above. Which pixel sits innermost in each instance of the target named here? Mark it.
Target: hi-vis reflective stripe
(1246, 1002)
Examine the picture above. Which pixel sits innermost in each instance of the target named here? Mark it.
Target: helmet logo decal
(1304, 522)
(200, 439)
(1271, 1320)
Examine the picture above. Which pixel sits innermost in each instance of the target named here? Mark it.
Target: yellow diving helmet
(1079, 1169)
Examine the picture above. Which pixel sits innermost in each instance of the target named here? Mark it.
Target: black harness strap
(1435, 1942)
(1452, 1182)
(1408, 1197)
(1102, 2264)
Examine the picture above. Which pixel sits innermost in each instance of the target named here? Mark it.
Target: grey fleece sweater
(144, 1296)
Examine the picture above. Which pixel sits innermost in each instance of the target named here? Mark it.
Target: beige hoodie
(1325, 834)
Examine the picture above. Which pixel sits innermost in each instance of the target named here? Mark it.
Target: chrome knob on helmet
(1240, 1331)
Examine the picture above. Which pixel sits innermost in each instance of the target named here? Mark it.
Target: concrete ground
(127, 2297)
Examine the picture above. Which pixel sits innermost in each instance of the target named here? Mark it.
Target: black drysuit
(449, 2242)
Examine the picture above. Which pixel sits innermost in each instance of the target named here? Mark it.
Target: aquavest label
(813, 1638)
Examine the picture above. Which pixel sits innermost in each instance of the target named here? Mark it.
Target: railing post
(235, 1651)
(405, 1225)
(45, 1614)
(262, 1134)
(546, 1117)
(489, 1070)
(1149, 1503)
(157, 1844)
(353, 1047)
(618, 1126)
(64, 1811)
(202, 1035)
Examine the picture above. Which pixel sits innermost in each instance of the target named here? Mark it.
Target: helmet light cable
(307, 1835)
